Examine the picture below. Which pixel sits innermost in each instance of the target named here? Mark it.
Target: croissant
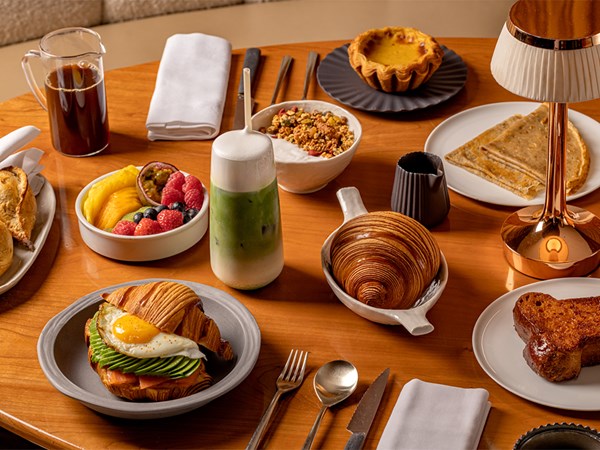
(384, 259)
(18, 206)
(6, 248)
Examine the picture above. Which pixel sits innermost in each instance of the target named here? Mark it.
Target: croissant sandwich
(150, 342)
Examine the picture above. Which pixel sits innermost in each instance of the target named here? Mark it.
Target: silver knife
(251, 60)
(365, 412)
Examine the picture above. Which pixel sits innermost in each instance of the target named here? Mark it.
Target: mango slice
(100, 191)
(116, 206)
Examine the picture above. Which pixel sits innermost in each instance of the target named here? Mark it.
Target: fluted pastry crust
(384, 259)
(18, 206)
(400, 73)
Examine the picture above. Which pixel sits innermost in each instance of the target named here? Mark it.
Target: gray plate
(62, 353)
(338, 79)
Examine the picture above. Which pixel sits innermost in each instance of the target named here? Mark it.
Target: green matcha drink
(246, 250)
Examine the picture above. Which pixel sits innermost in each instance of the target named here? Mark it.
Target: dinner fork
(290, 378)
(283, 70)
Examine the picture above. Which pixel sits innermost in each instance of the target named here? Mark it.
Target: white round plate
(499, 350)
(464, 126)
(62, 353)
(23, 258)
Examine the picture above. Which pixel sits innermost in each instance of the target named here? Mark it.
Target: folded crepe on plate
(513, 155)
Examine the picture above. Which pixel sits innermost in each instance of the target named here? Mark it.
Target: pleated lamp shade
(549, 51)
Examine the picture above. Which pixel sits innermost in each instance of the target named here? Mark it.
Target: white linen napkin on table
(429, 416)
(191, 87)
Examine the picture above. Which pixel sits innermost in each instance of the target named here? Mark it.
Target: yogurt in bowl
(297, 171)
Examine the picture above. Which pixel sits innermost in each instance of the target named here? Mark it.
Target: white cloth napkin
(429, 416)
(28, 160)
(191, 87)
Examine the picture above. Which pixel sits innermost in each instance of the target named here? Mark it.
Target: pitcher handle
(37, 92)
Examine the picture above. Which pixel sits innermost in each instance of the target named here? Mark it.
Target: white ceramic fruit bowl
(413, 319)
(141, 248)
(297, 172)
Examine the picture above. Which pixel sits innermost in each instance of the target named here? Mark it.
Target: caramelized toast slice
(561, 336)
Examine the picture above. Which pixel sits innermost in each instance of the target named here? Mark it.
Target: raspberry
(170, 195)
(169, 219)
(147, 226)
(191, 182)
(124, 228)
(175, 180)
(194, 198)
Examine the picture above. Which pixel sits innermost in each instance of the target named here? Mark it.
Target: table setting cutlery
(251, 61)
(310, 69)
(283, 70)
(365, 412)
(291, 378)
(334, 382)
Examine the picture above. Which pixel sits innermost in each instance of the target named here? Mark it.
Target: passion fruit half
(152, 179)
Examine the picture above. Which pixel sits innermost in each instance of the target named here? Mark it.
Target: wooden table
(298, 310)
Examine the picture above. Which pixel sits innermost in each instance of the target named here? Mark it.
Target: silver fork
(290, 378)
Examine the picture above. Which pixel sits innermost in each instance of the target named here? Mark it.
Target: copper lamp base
(553, 247)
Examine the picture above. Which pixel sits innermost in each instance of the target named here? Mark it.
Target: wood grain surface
(298, 310)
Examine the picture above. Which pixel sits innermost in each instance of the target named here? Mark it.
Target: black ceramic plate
(338, 79)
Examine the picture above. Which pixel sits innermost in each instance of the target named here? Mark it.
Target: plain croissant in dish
(384, 259)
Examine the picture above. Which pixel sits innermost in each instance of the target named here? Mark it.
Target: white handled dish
(413, 319)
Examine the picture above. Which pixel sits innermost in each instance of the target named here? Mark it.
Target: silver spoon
(283, 69)
(310, 68)
(333, 382)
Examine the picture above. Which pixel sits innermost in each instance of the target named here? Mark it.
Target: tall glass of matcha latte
(246, 248)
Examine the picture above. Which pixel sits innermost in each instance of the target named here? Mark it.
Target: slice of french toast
(561, 336)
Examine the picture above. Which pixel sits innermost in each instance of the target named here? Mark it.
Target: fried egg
(132, 336)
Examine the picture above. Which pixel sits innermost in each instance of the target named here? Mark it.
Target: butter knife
(251, 61)
(365, 412)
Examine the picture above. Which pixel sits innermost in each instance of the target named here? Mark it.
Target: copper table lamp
(549, 51)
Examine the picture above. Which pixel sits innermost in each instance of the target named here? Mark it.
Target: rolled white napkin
(191, 87)
(430, 416)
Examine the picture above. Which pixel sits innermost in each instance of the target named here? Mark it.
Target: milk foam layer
(242, 161)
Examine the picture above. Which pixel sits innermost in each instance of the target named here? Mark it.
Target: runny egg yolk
(133, 330)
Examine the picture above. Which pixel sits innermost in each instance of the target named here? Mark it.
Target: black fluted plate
(339, 80)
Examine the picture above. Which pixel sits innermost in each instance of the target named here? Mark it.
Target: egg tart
(395, 59)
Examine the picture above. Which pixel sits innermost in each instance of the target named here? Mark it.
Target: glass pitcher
(75, 96)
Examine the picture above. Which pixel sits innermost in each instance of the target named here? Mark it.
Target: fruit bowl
(140, 248)
(298, 172)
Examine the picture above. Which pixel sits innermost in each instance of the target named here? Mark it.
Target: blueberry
(160, 208)
(189, 214)
(179, 206)
(150, 213)
(137, 217)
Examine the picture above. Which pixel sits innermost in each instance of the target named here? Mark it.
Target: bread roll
(6, 248)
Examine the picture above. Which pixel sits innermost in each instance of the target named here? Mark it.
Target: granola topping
(319, 133)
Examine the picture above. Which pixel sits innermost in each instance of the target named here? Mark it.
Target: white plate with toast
(464, 126)
(499, 350)
(62, 353)
(24, 258)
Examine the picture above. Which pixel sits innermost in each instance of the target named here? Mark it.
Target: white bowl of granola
(313, 142)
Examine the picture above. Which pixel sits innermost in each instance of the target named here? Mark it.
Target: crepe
(513, 155)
